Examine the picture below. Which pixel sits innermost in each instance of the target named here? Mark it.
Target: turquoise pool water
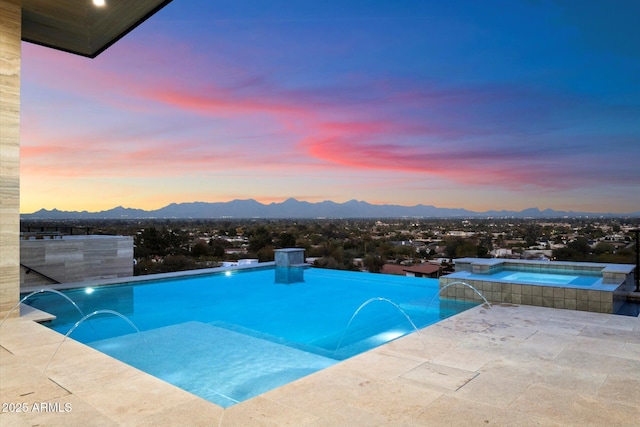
(575, 279)
(580, 280)
(230, 337)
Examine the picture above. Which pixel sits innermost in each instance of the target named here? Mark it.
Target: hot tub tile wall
(537, 295)
(619, 276)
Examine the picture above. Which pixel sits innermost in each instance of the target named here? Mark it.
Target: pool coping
(147, 278)
(484, 265)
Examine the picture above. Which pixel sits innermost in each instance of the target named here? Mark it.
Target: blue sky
(461, 104)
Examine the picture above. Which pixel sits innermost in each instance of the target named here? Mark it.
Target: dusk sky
(458, 104)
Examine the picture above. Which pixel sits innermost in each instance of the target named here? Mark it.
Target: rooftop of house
(425, 268)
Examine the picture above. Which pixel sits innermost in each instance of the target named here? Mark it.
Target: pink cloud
(215, 101)
(453, 134)
(476, 167)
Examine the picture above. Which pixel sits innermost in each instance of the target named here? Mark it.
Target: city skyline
(522, 104)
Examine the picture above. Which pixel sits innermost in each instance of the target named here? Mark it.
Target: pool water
(566, 279)
(547, 278)
(230, 337)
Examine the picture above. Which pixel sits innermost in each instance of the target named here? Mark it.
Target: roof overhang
(80, 27)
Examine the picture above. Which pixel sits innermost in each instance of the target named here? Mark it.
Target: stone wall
(71, 259)
(10, 30)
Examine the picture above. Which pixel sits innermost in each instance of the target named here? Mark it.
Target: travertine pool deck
(504, 366)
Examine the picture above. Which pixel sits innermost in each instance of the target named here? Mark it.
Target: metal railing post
(637, 272)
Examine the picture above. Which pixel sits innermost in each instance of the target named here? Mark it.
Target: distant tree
(349, 265)
(177, 263)
(622, 256)
(577, 250)
(143, 266)
(531, 234)
(373, 264)
(200, 249)
(260, 238)
(580, 246)
(460, 248)
(337, 252)
(563, 254)
(451, 247)
(328, 262)
(265, 254)
(176, 242)
(217, 247)
(148, 242)
(286, 240)
(603, 248)
(405, 251)
(482, 252)
(386, 250)
(466, 249)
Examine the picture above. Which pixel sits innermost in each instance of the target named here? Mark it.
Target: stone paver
(506, 365)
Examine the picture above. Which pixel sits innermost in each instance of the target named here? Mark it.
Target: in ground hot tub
(595, 287)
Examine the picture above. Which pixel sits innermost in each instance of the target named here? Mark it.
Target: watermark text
(48, 407)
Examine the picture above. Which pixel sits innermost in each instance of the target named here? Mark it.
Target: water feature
(487, 303)
(369, 301)
(53, 291)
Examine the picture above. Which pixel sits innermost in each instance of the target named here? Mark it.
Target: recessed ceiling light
(99, 3)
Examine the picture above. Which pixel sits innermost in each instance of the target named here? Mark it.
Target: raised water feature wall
(289, 257)
(290, 265)
(607, 296)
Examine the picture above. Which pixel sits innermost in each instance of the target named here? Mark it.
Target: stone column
(290, 265)
(10, 35)
(289, 257)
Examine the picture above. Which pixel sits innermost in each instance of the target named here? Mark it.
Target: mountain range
(292, 208)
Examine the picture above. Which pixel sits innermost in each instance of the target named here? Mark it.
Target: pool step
(217, 364)
(309, 348)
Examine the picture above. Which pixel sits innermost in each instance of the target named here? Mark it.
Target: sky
(457, 104)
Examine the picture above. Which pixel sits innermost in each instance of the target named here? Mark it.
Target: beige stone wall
(10, 31)
(75, 259)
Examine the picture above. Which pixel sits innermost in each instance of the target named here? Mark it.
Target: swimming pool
(231, 336)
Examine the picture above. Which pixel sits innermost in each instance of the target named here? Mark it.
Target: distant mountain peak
(293, 208)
